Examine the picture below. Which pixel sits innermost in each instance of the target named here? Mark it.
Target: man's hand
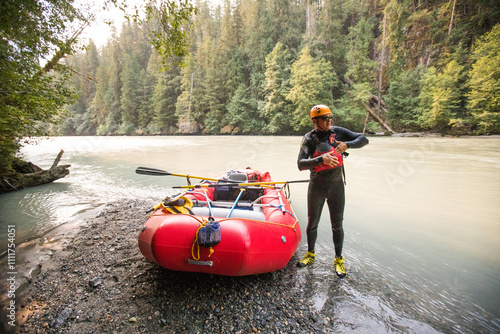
(341, 147)
(330, 159)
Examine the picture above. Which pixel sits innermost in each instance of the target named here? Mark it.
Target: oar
(157, 172)
(154, 171)
(248, 184)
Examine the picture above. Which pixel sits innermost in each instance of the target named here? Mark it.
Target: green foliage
(403, 100)
(484, 96)
(350, 110)
(107, 105)
(331, 39)
(361, 67)
(441, 96)
(163, 101)
(278, 109)
(258, 66)
(29, 94)
(172, 39)
(311, 82)
(242, 112)
(398, 12)
(131, 90)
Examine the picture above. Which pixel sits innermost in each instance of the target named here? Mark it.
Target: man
(322, 152)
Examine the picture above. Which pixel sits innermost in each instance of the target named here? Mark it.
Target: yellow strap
(196, 244)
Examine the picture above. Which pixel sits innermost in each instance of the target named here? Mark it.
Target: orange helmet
(320, 110)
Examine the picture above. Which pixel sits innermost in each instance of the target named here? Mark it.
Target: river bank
(99, 282)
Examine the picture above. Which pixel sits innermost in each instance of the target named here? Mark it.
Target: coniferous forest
(258, 66)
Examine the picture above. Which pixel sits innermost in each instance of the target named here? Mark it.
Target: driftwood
(30, 175)
(378, 119)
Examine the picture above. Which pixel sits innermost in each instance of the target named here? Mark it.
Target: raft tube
(256, 236)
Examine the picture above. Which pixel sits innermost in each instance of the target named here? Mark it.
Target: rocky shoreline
(100, 283)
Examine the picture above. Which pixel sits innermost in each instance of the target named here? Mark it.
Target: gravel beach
(100, 283)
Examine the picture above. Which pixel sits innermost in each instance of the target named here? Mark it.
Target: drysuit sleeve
(304, 161)
(351, 138)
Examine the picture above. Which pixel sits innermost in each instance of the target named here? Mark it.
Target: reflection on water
(422, 218)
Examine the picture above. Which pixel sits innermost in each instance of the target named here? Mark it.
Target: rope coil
(196, 244)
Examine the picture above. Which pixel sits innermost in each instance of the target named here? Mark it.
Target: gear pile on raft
(240, 223)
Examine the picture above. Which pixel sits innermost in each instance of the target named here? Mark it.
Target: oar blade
(151, 171)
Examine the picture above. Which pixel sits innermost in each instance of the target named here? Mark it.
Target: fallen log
(378, 119)
(29, 175)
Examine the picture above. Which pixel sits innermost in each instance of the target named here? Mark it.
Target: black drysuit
(326, 184)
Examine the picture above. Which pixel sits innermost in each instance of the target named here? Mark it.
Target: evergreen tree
(81, 120)
(164, 102)
(286, 24)
(107, 100)
(331, 39)
(257, 44)
(241, 112)
(184, 111)
(398, 13)
(278, 109)
(145, 93)
(403, 100)
(166, 88)
(361, 67)
(193, 103)
(130, 94)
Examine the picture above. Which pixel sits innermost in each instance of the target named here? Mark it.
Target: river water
(422, 219)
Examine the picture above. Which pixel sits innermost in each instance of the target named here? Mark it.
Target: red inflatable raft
(222, 229)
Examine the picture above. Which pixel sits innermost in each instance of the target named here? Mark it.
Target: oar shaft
(194, 177)
(248, 184)
(154, 171)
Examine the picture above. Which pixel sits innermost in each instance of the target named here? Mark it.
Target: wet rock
(95, 282)
(61, 318)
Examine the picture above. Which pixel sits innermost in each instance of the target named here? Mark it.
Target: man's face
(323, 123)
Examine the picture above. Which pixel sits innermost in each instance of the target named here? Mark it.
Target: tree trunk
(381, 66)
(63, 51)
(308, 19)
(190, 96)
(452, 16)
(30, 175)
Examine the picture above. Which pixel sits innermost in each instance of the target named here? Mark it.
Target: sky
(99, 31)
